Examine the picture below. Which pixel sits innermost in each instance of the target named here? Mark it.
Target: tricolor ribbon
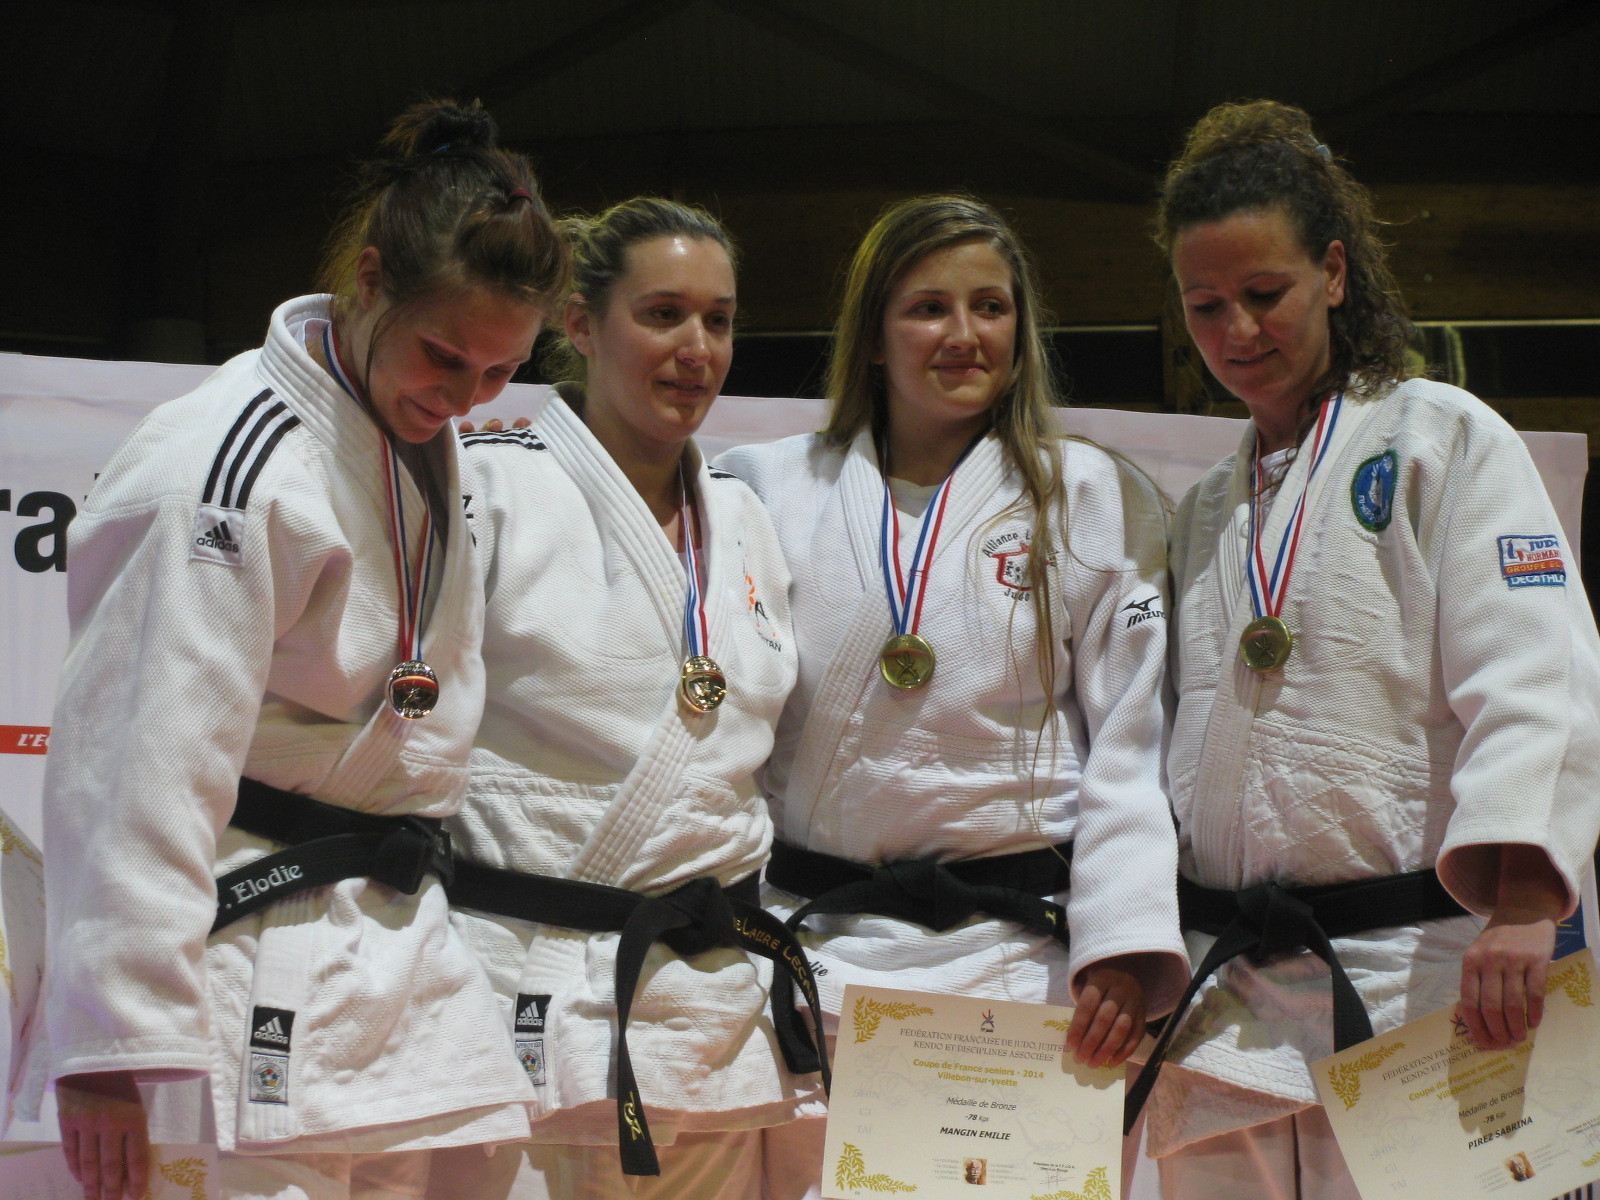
(696, 632)
(1267, 591)
(906, 590)
(412, 584)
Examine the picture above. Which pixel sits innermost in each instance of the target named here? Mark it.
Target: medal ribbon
(412, 585)
(907, 590)
(696, 632)
(1267, 591)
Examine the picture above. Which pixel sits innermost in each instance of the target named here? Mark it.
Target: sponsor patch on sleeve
(1532, 560)
(218, 535)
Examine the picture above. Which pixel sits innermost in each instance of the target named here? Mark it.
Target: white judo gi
(1443, 696)
(956, 769)
(588, 768)
(234, 613)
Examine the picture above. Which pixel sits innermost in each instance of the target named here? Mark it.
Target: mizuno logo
(219, 537)
(272, 1031)
(1141, 611)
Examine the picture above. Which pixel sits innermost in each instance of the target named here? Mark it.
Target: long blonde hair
(904, 234)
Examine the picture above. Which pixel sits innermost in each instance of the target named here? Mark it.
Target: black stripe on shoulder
(226, 449)
(526, 438)
(719, 473)
(260, 460)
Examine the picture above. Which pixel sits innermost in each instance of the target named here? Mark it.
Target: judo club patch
(1010, 551)
(1532, 560)
(270, 1031)
(528, 1035)
(1372, 491)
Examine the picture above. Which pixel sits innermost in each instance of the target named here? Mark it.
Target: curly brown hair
(1260, 155)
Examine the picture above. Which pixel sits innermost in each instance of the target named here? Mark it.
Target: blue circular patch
(1372, 490)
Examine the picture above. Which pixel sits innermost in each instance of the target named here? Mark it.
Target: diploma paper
(1421, 1111)
(952, 1098)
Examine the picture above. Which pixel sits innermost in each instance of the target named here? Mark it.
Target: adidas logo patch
(271, 1028)
(530, 1013)
(218, 535)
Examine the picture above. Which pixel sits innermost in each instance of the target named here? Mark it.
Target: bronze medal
(1265, 645)
(413, 689)
(906, 661)
(701, 686)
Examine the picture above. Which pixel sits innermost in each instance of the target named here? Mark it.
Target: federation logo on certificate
(936, 1096)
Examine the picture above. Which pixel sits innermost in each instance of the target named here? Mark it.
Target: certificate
(954, 1098)
(1422, 1111)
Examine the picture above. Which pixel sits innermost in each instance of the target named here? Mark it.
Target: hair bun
(435, 125)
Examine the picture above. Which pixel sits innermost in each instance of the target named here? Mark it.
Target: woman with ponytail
(272, 687)
(1388, 678)
(638, 653)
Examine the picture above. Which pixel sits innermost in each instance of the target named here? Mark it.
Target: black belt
(689, 920)
(325, 843)
(932, 894)
(1269, 919)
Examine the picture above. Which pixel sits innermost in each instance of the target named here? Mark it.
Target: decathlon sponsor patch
(1372, 491)
(270, 1032)
(528, 1034)
(1532, 560)
(218, 535)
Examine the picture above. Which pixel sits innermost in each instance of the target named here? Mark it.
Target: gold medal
(906, 661)
(1265, 645)
(701, 686)
(413, 689)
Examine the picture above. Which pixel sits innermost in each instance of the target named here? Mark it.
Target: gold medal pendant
(906, 662)
(1265, 645)
(413, 689)
(702, 685)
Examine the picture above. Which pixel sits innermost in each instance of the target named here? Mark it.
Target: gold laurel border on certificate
(186, 1172)
(852, 1173)
(1060, 1025)
(869, 1012)
(1592, 1161)
(1345, 1078)
(1097, 1186)
(1577, 984)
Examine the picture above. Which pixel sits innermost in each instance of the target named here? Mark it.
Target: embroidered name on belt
(270, 1031)
(528, 1035)
(1532, 560)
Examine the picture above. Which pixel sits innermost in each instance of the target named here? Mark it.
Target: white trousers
(783, 1162)
(1293, 1158)
(402, 1175)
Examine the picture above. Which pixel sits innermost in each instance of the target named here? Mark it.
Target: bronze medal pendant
(906, 662)
(1265, 645)
(701, 686)
(413, 689)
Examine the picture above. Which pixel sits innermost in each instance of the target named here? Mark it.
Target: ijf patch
(1372, 491)
(270, 1031)
(1532, 560)
(218, 535)
(528, 1035)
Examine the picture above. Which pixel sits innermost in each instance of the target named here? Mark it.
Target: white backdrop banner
(61, 419)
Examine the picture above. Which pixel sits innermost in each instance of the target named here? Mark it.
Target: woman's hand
(1109, 1022)
(1503, 972)
(104, 1134)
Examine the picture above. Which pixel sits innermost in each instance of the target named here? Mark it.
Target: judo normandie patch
(270, 1031)
(1532, 560)
(1372, 491)
(528, 1034)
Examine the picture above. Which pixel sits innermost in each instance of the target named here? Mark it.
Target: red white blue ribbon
(411, 583)
(1268, 589)
(696, 632)
(906, 590)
